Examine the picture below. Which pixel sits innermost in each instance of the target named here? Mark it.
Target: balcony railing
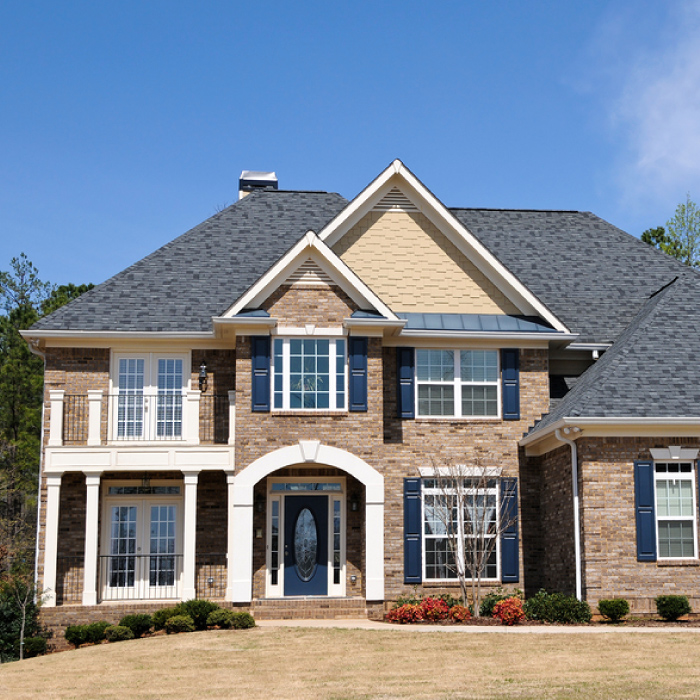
(140, 576)
(96, 419)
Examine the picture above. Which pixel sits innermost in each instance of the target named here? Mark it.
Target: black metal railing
(140, 576)
(210, 575)
(214, 419)
(75, 418)
(69, 579)
(141, 417)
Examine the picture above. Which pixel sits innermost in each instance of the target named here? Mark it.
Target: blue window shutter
(510, 376)
(405, 371)
(412, 529)
(260, 356)
(510, 569)
(646, 515)
(357, 361)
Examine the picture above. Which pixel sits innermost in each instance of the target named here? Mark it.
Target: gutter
(577, 514)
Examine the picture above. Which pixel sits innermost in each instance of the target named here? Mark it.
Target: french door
(142, 557)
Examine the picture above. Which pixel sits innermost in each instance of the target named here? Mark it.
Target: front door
(306, 545)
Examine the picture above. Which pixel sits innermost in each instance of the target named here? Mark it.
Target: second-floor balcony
(95, 418)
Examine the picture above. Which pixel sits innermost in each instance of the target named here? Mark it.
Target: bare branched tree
(465, 515)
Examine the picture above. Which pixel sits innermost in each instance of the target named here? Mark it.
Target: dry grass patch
(341, 664)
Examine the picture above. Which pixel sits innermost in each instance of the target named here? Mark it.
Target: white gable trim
(397, 174)
(310, 246)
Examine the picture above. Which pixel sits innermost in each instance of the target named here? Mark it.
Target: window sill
(460, 419)
(678, 562)
(308, 412)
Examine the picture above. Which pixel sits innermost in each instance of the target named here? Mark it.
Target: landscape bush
(434, 609)
(160, 617)
(557, 607)
(95, 631)
(460, 613)
(11, 622)
(242, 620)
(34, 646)
(613, 608)
(490, 599)
(179, 623)
(199, 610)
(119, 633)
(220, 618)
(138, 623)
(509, 611)
(405, 614)
(671, 607)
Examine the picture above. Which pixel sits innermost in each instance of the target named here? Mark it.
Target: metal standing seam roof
(491, 323)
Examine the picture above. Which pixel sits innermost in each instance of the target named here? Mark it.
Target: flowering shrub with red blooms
(460, 613)
(509, 611)
(405, 614)
(434, 609)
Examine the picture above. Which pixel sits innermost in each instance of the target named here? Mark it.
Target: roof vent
(255, 180)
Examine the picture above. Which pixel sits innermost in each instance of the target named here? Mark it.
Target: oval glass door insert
(305, 544)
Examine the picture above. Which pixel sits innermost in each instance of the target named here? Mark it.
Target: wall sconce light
(258, 533)
(354, 503)
(146, 481)
(203, 376)
(259, 504)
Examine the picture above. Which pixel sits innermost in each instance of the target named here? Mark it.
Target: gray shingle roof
(180, 286)
(651, 371)
(590, 274)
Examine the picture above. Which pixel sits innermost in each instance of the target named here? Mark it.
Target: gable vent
(395, 200)
(309, 273)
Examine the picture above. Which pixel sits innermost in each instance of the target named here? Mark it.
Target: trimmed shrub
(75, 635)
(557, 607)
(198, 610)
(509, 611)
(460, 613)
(220, 618)
(95, 631)
(242, 620)
(179, 623)
(118, 633)
(405, 614)
(671, 607)
(160, 617)
(34, 646)
(434, 609)
(613, 608)
(139, 623)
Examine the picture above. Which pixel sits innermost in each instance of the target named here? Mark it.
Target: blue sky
(122, 125)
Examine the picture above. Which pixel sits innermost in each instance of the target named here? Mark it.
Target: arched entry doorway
(306, 452)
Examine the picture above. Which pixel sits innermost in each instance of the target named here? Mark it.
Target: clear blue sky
(123, 124)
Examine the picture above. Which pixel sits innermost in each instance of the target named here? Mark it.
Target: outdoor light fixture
(354, 502)
(146, 481)
(259, 503)
(203, 376)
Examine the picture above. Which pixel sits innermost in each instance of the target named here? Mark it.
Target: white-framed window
(454, 540)
(309, 374)
(147, 396)
(676, 526)
(141, 551)
(457, 383)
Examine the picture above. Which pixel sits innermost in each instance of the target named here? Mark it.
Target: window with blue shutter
(357, 362)
(405, 358)
(412, 531)
(510, 377)
(510, 540)
(644, 506)
(260, 362)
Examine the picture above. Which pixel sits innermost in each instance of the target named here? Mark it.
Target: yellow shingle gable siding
(412, 266)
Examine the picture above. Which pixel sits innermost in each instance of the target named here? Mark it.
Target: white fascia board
(489, 335)
(85, 336)
(450, 226)
(310, 246)
(258, 321)
(600, 422)
(589, 346)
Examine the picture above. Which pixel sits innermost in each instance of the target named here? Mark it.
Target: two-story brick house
(255, 412)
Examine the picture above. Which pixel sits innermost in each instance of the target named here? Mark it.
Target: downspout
(577, 514)
(34, 348)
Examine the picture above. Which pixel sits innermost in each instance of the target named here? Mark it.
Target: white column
(92, 507)
(230, 480)
(231, 417)
(190, 538)
(53, 502)
(192, 399)
(240, 582)
(374, 546)
(94, 416)
(56, 424)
